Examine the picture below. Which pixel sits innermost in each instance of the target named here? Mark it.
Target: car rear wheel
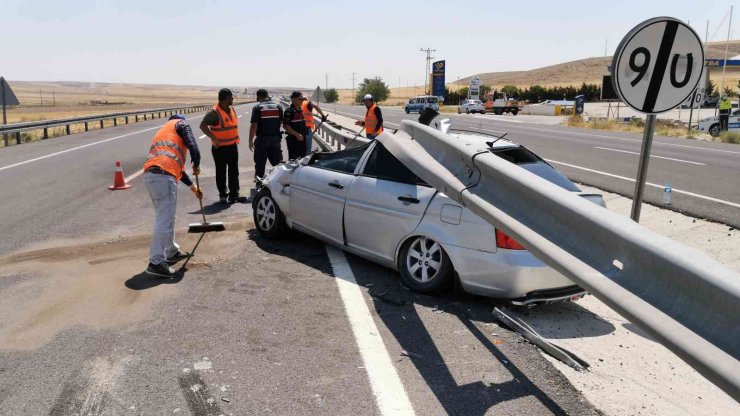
(268, 218)
(514, 112)
(498, 111)
(467, 111)
(714, 130)
(424, 265)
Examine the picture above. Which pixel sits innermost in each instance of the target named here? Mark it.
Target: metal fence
(134, 116)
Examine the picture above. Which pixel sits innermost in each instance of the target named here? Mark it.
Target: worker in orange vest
(164, 167)
(307, 106)
(222, 127)
(373, 122)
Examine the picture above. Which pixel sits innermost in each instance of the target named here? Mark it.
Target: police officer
(725, 105)
(295, 125)
(265, 126)
(373, 122)
(222, 126)
(307, 107)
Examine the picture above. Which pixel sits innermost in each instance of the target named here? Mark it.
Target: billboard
(438, 79)
(474, 91)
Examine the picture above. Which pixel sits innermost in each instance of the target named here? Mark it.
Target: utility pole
(53, 99)
(326, 74)
(605, 43)
(426, 67)
(354, 92)
(41, 97)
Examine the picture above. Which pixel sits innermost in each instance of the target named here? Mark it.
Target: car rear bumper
(508, 274)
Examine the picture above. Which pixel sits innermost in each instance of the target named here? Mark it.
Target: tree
(711, 88)
(331, 95)
(729, 92)
(375, 87)
(484, 89)
(511, 91)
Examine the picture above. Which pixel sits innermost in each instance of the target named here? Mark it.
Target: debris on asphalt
(497, 342)
(226, 400)
(411, 354)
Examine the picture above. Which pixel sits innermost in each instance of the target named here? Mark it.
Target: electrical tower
(426, 67)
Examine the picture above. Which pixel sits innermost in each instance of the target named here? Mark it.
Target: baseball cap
(296, 94)
(177, 116)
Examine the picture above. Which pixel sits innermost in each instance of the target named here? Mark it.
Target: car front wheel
(407, 110)
(424, 265)
(268, 218)
(714, 130)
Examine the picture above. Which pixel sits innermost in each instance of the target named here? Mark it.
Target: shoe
(162, 270)
(177, 257)
(223, 200)
(239, 199)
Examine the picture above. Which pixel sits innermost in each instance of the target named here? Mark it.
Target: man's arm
(208, 121)
(323, 117)
(288, 115)
(183, 130)
(379, 116)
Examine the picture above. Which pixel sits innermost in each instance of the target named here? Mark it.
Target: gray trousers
(163, 191)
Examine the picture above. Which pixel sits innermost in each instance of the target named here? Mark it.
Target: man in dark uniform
(265, 124)
(295, 126)
(221, 125)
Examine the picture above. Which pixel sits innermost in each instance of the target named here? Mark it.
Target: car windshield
(432, 100)
(527, 160)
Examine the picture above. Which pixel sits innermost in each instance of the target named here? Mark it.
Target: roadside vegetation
(637, 125)
(728, 137)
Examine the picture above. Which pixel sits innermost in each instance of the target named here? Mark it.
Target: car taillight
(504, 241)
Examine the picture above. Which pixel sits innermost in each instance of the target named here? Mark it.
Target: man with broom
(163, 168)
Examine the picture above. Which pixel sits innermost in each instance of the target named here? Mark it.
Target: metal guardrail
(681, 297)
(16, 128)
(335, 136)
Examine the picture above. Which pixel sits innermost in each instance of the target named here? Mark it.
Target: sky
(300, 44)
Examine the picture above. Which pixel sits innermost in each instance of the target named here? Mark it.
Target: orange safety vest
(371, 122)
(227, 130)
(307, 115)
(168, 150)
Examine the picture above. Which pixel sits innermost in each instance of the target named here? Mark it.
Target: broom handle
(202, 212)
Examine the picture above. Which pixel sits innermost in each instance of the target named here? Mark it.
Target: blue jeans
(309, 141)
(163, 191)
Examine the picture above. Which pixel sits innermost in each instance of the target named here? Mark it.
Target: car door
(318, 192)
(733, 123)
(384, 204)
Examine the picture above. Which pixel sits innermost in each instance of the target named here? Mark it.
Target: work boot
(239, 199)
(162, 270)
(177, 257)
(223, 200)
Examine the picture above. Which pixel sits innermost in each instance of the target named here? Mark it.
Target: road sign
(657, 66)
(438, 79)
(7, 97)
(474, 89)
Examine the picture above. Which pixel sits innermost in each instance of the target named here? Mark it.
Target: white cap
(368, 97)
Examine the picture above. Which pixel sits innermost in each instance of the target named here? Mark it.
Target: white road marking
(79, 147)
(134, 176)
(652, 156)
(388, 389)
(654, 185)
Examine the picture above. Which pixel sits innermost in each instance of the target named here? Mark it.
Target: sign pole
(647, 142)
(5, 120)
(691, 113)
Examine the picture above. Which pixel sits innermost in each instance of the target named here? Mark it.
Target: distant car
(471, 106)
(365, 201)
(711, 124)
(418, 104)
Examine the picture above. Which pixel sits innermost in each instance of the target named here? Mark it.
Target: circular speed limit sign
(657, 65)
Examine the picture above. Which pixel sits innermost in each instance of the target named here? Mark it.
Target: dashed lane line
(651, 156)
(654, 185)
(387, 387)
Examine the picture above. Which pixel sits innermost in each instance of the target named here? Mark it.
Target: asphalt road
(250, 327)
(703, 175)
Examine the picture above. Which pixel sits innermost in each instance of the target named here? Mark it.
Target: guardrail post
(115, 121)
(17, 137)
(46, 133)
(126, 119)
(68, 130)
(86, 128)
(144, 116)
(101, 124)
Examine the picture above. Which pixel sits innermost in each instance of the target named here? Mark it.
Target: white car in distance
(471, 106)
(365, 201)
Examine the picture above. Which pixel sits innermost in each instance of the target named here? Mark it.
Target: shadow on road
(565, 321)
(143, 281)
(213, 208)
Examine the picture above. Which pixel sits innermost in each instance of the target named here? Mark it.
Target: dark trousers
(227, 157)
(724, 118)
(266, 148)
(296, 149)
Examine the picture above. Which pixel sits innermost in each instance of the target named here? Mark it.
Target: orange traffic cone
(119, 181)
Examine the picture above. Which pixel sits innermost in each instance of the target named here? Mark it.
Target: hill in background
(589, 70)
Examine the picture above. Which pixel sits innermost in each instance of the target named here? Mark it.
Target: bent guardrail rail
(333, 135)
(684, 299)
(45, 125)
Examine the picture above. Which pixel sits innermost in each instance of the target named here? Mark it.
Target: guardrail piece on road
(684, 299)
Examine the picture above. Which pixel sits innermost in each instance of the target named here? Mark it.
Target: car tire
(407, 110)
(467, 111)
(714, 130)
(424, 265)
(268, 218)
(498, 111)
(514, 112)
